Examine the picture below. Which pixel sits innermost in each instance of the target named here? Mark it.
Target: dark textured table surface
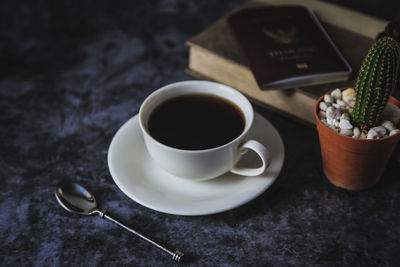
(71, 73)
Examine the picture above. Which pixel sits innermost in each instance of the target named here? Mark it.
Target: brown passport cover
(286, 42)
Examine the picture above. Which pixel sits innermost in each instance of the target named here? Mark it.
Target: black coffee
(195, 122)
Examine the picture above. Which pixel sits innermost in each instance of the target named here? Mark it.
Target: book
(215, 55)
(286, 46)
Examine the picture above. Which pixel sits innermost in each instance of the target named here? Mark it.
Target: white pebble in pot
(388, 125)
(349, 95)
(328, 99)
(347, 132)
(345, 116)
(338, 113)
(329, 112)
(336, 94)
(341, 103)
(356, 132)
(323, 106)
(372, 134)
(345, 124)
(380, 130)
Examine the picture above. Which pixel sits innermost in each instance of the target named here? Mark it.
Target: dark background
(72, 72)
(386, 9)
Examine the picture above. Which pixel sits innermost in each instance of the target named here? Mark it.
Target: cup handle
(262, 152)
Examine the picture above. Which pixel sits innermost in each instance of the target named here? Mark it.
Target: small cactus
(377, 79)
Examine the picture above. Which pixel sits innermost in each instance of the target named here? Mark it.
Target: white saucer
(142, 180)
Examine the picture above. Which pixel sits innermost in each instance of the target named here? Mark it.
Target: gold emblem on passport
(302, 66)
(282, 35)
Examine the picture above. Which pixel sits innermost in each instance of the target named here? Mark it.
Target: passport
(287, 47)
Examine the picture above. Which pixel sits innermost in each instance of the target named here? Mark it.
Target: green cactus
(376, 81)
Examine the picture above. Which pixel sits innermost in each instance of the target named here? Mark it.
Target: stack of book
(215, 54)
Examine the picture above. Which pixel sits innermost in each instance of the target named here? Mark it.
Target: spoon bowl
(75, 198)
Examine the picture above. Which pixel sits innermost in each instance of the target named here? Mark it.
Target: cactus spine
(378, 77)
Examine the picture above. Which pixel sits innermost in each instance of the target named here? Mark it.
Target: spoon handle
(176, 255)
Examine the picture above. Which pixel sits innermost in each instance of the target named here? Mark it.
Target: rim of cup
(249, 117)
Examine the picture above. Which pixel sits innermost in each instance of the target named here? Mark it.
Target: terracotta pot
(353, 163)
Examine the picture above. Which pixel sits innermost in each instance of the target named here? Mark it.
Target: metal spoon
(77, 199)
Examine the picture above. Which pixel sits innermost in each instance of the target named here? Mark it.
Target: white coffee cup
(208, 163)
